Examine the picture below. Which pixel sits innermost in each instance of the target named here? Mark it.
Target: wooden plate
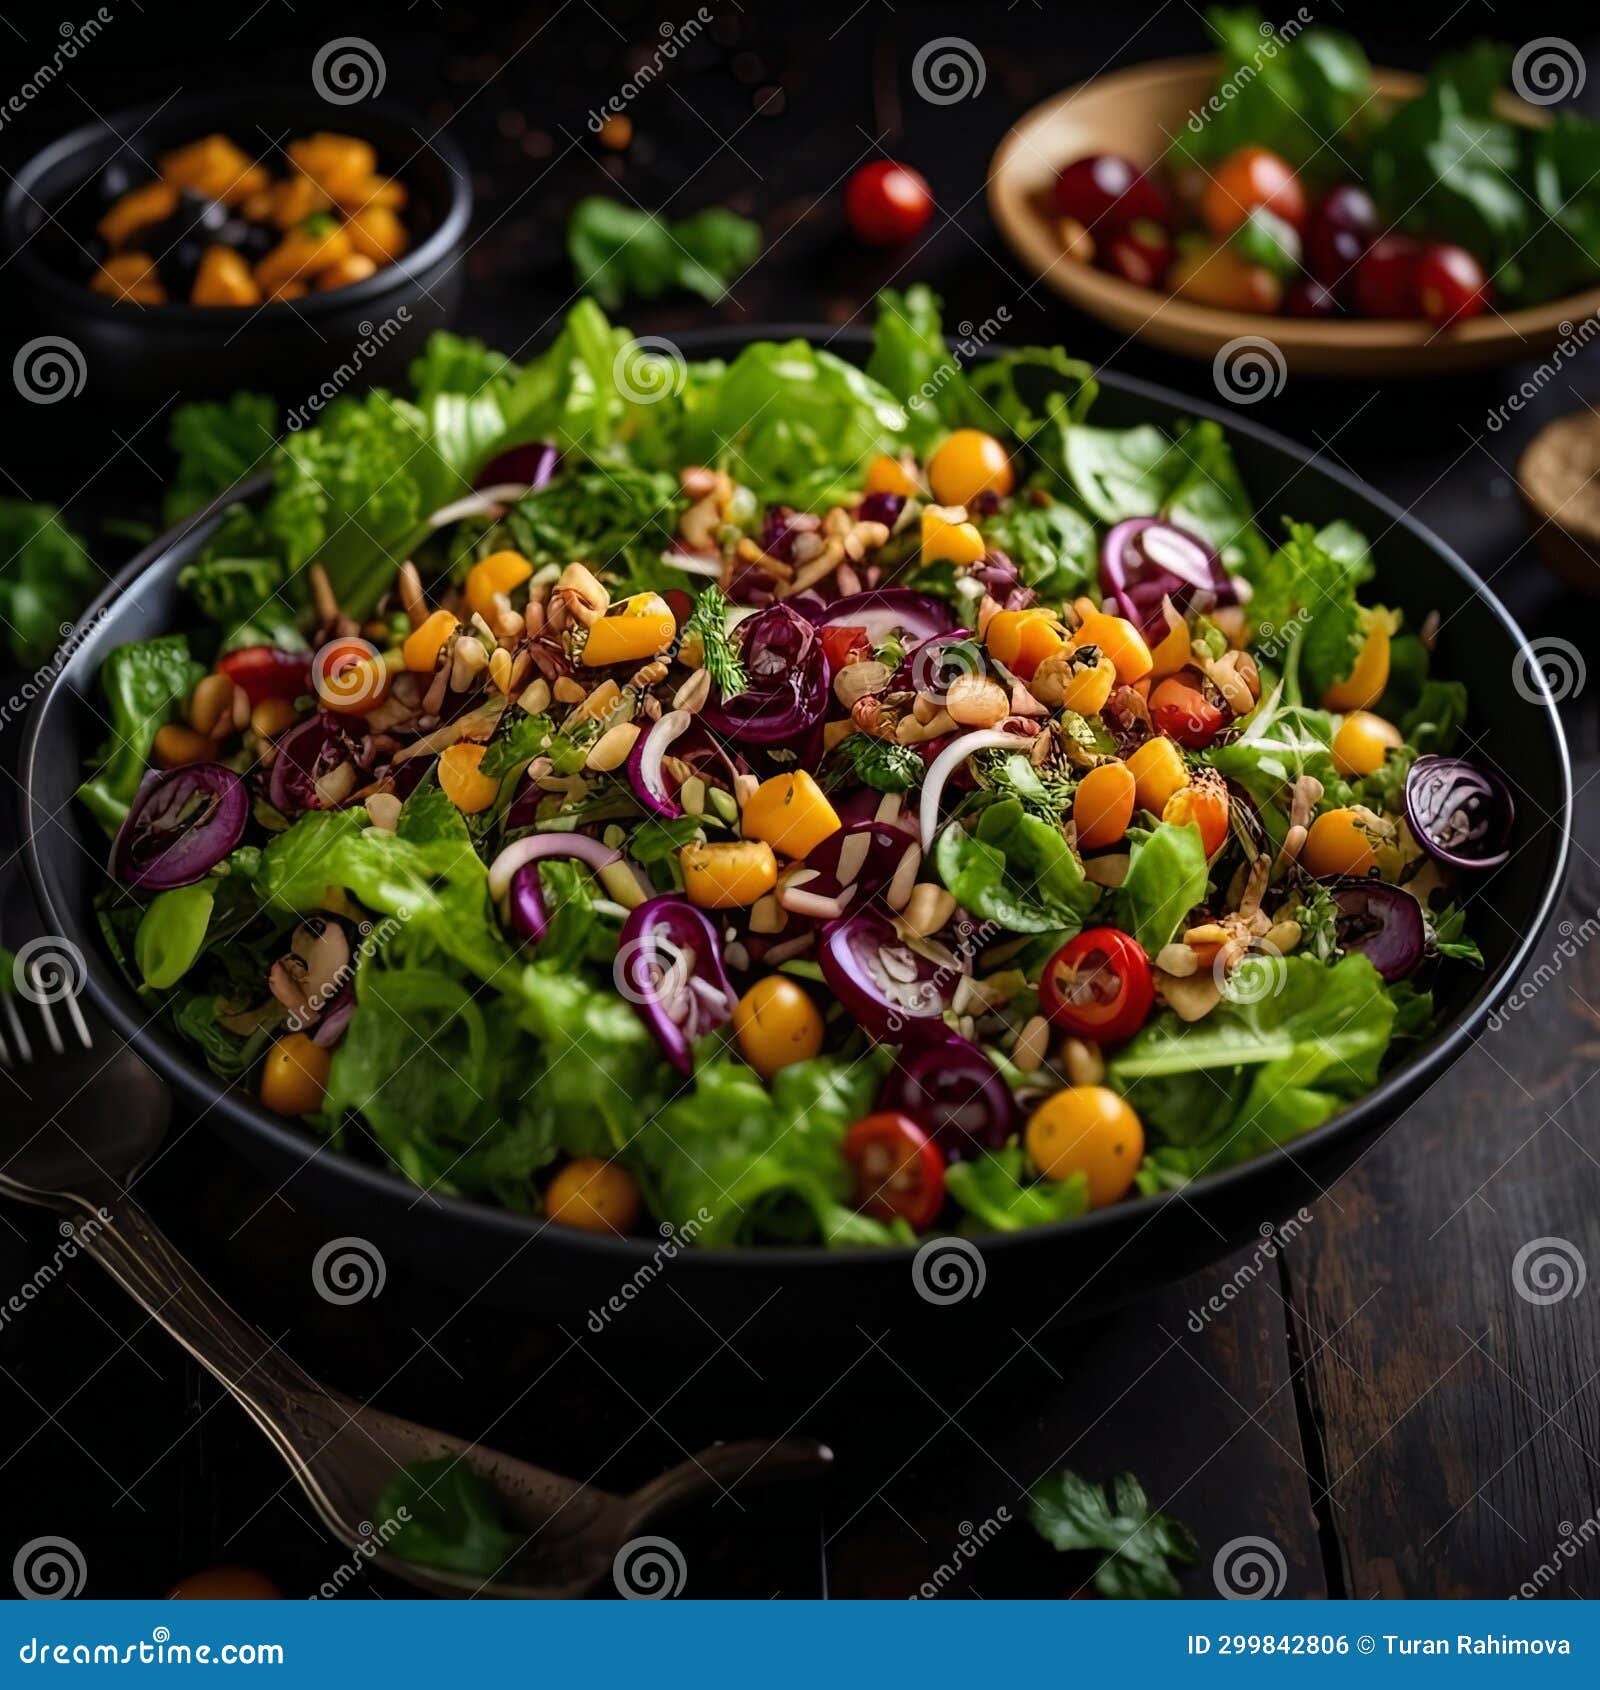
(1135, 112)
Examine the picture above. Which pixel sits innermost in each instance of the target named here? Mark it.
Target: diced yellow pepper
(216, 167)
(889, 475)
(1158, 771)
(137, 210)
(630, 631)
(1117, 637)
(947, 536)
(724, 877)
(464, 783)
(376, 231)
(500, 572)
(423, 645)
(223, 278)
(300, 255)
(1172, 652)
(1364, 685)
(791, 812)
(130, 278)
(1023, 639)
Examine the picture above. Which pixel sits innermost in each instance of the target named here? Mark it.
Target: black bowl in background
(136, 359)
(814, 1303)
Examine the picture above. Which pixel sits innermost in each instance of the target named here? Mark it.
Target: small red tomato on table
(1451, 285)
(887, 203)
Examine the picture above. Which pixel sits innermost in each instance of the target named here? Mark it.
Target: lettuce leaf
(143, 683)
(994, 1189)
(1166, 878)
(46, 578)
(1015, 869)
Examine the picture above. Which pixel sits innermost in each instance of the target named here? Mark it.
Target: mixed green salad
(780, 800)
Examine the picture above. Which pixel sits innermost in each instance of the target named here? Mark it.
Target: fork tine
(24, 1049)
(51, 1031)
(79, 1025)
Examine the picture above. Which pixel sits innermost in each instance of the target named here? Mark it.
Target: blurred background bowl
(1136, 113)
(140, 358)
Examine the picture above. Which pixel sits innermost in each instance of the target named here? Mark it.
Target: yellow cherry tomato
(1363, 686)
(890, 475)
(1203, 801)
(1117, 637)
(1102, 806)
(1023, 639)
(970, 462)
(950, 538)
(1362, 743)
(1219, 276)
(630, 631)
(726, 877)
(776, 1023)
(593, 1196)
(500, 572)
(1088, 685)
(791, 812)
(1087, 1130)
(295, 1075)
(423, 645)
(1345, 842)
(463, 780)
(1158, 771)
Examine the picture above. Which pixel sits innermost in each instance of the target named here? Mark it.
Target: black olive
(200, 212)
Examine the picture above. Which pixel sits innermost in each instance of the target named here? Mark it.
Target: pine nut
(412, 602)
(1029, 1051)
(568, 691)
(535, 696)
(211, 707)
(500, 668)
(383, 811)
(927, 909)
(271, 717)
(1082, 1062)
(611, 750)
(898, 891)
(694, 692)
(977, 702)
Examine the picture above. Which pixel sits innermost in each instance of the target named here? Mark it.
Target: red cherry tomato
(1343, 226)
(1140, 253)
(898, 1169)
(887, 203)
(1385, 282)
(844, 643)
(1309, 298)
(1248, 178)
(1098, 986)
(1181, 711)
(267, 671)
(1451, 285)
(1106, 192)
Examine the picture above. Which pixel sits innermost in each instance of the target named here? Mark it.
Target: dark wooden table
(1373, 1399)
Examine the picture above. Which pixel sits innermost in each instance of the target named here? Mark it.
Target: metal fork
(37, 990)
(343, 1453)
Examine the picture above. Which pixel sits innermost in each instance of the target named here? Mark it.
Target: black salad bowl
(133, 360)
(966, 1296)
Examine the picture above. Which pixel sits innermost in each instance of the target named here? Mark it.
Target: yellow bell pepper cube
(376, 231)
(152, 203)
(300, 255)
(1364, 685)
(947, 536)
(725, 877)
(423, 645)
(791, 812)
(463, 782)
(223, 278)
(500, 572)
(1117, 637)
(1172, 652)
(1158, 771)
(630, 631)
(890, 475)
(1023, 639)
(131, 278)
(336, 161)
(216, 167)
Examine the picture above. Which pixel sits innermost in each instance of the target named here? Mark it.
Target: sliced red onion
(1143, 560)
(644, 764)
(304, 756)
(530, 466)
(537, 847)
(885, 611)
(881, 507)
(669, 967)
(954, 1093)
(336, 1017)
(788, 691)
(1382, 922)
(877, 849)
(1460, 813)
(953, 755)
(895, 993)
(180, 826)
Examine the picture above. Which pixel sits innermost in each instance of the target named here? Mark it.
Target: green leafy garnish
(1134, 1544)
(46, 578)
(618, 251)
(882, 764)
(448, 1517)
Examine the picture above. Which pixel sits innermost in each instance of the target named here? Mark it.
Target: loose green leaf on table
(1135, 1545)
